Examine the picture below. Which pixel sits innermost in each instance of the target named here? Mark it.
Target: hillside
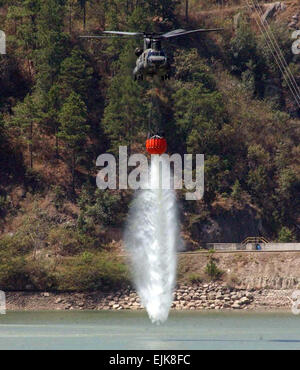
(64, 101)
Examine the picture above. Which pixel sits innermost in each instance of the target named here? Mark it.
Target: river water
(133, 330)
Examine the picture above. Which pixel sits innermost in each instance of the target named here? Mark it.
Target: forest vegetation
(66, 100)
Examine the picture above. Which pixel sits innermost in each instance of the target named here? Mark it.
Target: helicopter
(152, 59)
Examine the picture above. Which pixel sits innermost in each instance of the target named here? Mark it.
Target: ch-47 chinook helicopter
(152, 60)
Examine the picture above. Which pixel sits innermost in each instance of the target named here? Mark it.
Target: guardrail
(255, 240)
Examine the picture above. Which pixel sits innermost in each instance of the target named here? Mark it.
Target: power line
(279, 58)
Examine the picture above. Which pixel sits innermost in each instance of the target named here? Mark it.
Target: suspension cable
(150, 117)
(279, 58)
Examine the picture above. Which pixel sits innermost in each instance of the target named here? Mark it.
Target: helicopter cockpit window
(156, 54)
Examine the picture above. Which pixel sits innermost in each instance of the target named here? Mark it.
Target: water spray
(151, 238)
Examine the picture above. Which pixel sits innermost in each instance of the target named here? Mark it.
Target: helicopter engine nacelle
(138, 52)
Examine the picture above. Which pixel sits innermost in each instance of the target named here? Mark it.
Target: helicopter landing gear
(138, 77)
(165, 77)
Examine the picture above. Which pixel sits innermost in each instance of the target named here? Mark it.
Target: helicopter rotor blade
(174, 32)
(102, 37)
(165, 36)
(178, 33)
(120, 33)
(114, 34)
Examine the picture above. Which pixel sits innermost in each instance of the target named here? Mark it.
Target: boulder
(272, 9)
(244, 300)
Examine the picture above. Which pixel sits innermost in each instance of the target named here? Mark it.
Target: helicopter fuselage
(152, 62)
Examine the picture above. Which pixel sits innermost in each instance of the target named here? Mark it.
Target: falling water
(152, 238)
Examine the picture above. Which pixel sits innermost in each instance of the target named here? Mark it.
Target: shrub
(102, 208)
(59, 196)
(195, 278)
(4, 205)
(12, 268)
(90, 271)
(39, 277)
(243, 48)
(68, 242)
(236, 193)
(285, 235)
(17, 270)
(33, 230)
(33, 180)
(212, 269)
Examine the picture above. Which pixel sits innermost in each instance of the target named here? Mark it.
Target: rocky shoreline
(210, 296)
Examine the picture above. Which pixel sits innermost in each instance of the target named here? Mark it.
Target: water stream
(152, 238)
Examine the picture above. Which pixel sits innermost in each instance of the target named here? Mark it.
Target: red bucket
(156, 145)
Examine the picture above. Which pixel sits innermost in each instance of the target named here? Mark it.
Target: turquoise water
(133, 330)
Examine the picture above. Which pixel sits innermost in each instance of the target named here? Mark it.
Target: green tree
(243, 48)
(71, 4)
(236, 190)
(125, 115)
(76, 75)
(288, 185)
(83, 4)
(211, 268)
(52, 43)
(25, 117)
(246, 59)
(2, 131)
(73, 129)
(102, 207)
(285, 235)
(24, 17)
(163, 8)
(198, 114)
(191, 68)
(198, 107)
(48, 110)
